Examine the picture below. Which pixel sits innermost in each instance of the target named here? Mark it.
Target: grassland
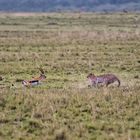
(68, 46)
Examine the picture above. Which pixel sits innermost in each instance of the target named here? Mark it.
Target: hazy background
(68, 5)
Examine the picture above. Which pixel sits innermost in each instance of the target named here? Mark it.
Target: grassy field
(69, 46)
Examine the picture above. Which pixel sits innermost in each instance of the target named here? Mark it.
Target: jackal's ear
(41, 70)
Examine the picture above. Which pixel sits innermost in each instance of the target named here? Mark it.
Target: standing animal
(34, 81)
(105, 79)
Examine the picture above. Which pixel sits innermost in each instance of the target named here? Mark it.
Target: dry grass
(69, 46)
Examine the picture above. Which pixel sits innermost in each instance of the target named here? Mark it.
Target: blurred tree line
(75, 5)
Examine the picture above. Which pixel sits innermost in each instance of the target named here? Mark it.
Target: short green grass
(68, 46)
